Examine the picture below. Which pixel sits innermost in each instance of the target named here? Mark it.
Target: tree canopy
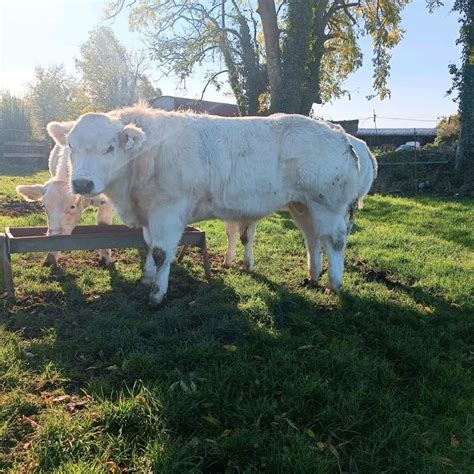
(279, 55)
(111, 75)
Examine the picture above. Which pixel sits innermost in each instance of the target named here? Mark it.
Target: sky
(44, 32)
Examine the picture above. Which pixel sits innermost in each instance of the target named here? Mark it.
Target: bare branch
(211, 79)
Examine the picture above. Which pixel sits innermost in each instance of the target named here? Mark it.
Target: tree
(463, 84)
(279, 55)
(447, 131)
(15, 120)
(111, 76)
(50, 96)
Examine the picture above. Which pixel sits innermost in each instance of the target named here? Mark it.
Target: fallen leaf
(321, 446)
(291, 424)
(310, 433)
(230, 347)
(112, 367)
(113, 467)
(62, 398)
(305, 348)
(28, 421)
(446, 461)
(455, 305)
(428, 309)
(454, 442)
(226, 433)
(212, 420)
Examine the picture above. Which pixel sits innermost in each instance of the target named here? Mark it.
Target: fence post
(415, 163)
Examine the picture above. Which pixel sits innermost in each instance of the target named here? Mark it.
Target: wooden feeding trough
(87, 237)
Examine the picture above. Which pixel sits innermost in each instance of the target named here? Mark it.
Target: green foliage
(51, 97)
(110, 75)
(252, 373)
(318, 43)
(463, 82)
(15, 121)
(447, 130)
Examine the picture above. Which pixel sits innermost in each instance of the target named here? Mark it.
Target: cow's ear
(132, 137)
(58, 131)
(30, 193)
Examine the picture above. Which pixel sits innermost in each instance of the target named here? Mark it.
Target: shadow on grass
(357, 373)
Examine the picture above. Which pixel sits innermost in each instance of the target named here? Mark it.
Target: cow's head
(62, 207)
(100, 146)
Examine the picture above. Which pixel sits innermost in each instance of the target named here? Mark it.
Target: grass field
(253, 373)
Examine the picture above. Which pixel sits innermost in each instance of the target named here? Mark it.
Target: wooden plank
(35, 144)
(15, 232)
(25, 155)
(83, 240)
(6, 266)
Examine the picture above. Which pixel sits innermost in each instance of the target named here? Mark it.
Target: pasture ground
(254, 373)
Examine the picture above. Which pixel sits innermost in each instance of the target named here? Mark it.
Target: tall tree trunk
(266, 10)
(312, 85)
(295, 54)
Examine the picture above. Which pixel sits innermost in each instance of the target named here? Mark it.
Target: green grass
(253, 373)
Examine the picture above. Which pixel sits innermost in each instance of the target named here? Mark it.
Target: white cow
(63, 207)
(164, 170)
(246, 231)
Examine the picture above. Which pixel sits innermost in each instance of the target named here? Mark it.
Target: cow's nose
(82, 186)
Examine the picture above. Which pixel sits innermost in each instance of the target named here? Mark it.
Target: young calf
(63, 207)
(246, 231)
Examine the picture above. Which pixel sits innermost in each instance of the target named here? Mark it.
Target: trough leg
(182, 253)
(205, 258)
(7, 269)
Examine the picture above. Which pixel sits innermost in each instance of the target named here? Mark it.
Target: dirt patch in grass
(12, 208)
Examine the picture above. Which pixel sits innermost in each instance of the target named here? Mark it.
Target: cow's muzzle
(82, 186)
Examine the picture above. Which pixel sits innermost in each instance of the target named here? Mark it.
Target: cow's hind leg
(149, 268)
(247, 236)
(332, 229)
(166, 227)
(232, 231)
(104, 217)
(303, 220)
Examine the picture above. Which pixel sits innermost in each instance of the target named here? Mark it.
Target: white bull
(246, 231)
(63, 207)
(164, 170)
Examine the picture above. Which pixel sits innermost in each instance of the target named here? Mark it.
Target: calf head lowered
(63, 207)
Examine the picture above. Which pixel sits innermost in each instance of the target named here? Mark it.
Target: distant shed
(396, 136)
(168, 102)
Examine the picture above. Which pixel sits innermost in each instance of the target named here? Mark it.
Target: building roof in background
(372, 132)
(168, 102)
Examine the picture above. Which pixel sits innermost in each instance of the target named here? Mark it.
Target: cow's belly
(240, 206)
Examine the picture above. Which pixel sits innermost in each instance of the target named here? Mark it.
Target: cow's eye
(110, 149)
(73, 207)
(70, 148)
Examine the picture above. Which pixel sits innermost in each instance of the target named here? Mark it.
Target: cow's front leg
(150, 268)
(166, 229)
(104, 217)
(232, 231)
(247, 236)
(51, 259)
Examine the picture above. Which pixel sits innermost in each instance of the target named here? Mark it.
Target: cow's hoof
(310, 283)
(104, 262)
(247, 267)
(156, 302)
(146, 281)
(332, 291)
(226, 264)
(50, 261)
